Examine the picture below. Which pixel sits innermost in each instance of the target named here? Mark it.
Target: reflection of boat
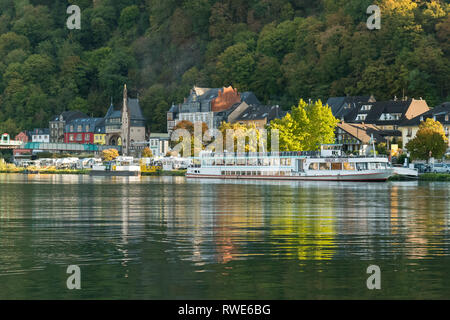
(122, 166)
(328, 165)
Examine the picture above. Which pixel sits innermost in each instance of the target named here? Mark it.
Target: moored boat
(326, 165)
(122, 166)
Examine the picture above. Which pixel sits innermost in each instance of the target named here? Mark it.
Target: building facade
(258, 115)
(439, 113)
(357, 138)
(126, 126)
(40, 135)
(58, 124)
(159, 144)
(208, 105)
(81, 131)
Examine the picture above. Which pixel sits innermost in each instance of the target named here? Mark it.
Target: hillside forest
(282, 50)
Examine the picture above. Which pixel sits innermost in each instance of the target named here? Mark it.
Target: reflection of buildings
(237, 221)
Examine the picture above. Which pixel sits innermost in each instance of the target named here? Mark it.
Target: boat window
(377, 166)
(361, 166)
(336, 166)
(314, 166)
(349, 166)
(325, 166)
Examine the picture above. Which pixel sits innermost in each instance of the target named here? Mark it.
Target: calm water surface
(172, 238)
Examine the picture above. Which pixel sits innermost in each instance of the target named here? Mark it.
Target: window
(361, 166)
(79, 128)
(361, 117)
(314, 166)
(87, 137)
(71, 137)
(349, 166)
(390, 116)
(325, 166)
(409, 132)
(79, 137)
(366, 107)
(336, 166)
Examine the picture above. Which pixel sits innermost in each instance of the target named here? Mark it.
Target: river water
(172, 238)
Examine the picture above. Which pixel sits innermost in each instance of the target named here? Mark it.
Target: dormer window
(361, 117)
(366, 107)
(390, 116)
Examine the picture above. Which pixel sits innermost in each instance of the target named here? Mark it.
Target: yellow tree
(243, 137)
(109, 154)
(147, 153)
(430, 141)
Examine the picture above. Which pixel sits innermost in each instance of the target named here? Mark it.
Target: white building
(40, 135)
(159, 144)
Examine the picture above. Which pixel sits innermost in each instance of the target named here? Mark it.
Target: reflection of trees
(304, 225)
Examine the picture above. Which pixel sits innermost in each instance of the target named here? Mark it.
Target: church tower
(125, 124)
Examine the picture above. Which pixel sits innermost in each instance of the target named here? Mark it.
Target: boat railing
(282, 154)
(260, 154)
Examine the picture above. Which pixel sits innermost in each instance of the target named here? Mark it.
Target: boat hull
(359, 177)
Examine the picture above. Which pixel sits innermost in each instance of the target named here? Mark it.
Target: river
(172, 238)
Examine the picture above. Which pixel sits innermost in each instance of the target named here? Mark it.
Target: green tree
(430, 140)
(306, 127)
(236, 66)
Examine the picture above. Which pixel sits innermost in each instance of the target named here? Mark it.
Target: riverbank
(423, 177)
(46, 171)
(176, 173)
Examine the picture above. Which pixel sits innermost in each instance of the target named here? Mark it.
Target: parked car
(440, 168)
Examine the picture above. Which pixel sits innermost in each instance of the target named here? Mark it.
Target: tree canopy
(306, 127)
(282, 50)
(430, 141)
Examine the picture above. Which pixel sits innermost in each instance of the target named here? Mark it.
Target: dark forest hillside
(283, 50)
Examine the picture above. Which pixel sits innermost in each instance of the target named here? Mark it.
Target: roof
(40, 131)
(441, 112)
(341, 106)
(362, 132)
(159, 136)
(100, 126)
(113, 113)
(260, 112)
(377, 109)
(91, 122)
(69, 116)
(133, 107)
(249, 98)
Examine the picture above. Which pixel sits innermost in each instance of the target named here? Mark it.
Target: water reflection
(153, 230)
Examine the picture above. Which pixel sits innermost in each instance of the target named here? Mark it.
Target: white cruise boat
(326, 165)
